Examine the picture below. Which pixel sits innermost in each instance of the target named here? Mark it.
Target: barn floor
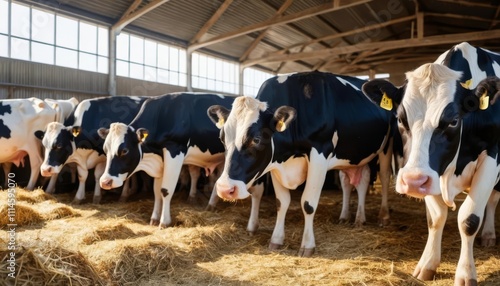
(111, 244)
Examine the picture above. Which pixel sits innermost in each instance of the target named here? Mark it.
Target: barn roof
(342, 36)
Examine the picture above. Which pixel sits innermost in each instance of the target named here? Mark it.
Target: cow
(76, 141)
(450, 126)
(19, 119)
(297, 128)
(169, 131)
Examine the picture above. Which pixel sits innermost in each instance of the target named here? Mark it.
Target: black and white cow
(76, 141)
(170, 131)
(451, 137)
(299, 127)
(19, 119)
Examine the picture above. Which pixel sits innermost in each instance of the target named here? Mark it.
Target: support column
(189, 71)
(112, 62)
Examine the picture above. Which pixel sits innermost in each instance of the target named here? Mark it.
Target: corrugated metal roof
(181, 20)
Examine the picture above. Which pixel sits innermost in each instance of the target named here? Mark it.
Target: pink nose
(106, 184)
(227, 192)
(416, 183)
(46, 172)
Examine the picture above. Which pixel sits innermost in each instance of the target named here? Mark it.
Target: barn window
(253, 79)
(46, 37)
(146, 59)
(210, 73)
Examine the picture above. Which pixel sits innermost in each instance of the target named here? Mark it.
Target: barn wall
(22, 79)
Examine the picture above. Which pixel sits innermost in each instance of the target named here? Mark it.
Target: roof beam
(133, 13)
(215, 17)
(348, 33)
(385, 45)
(335, 5)
(261, 36)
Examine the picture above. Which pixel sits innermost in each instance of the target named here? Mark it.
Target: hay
(51, 265)
(24, 215)
(112, 244)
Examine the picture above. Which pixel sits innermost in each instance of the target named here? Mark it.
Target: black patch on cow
(164, 192)
(4, 129)
(5, 109)
(101, 113)
(61, 148)
(471, 224)
(308, 208)
(445, 139)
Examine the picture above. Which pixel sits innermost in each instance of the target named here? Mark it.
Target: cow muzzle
(231, 190)
(48, 171)
(108, 182)
(414, 183)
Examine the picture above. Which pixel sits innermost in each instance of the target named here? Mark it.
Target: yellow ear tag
(76, 132)
(467, 84)
(386, 102)
(144, 136)
(220, 123)
(281, 126)
(484, 101)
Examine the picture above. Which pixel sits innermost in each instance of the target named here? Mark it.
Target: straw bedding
(111, 244)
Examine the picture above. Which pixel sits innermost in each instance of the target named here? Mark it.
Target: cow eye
(57, 146)
(124, 152)
(256, 140)
(454, 123)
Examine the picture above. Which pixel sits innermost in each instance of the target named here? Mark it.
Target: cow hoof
(306, 252)
(154, 222)
(123, 199)
(97, 200)
(359, 223)
(164, 225)
(77, 202)
(274, 246)
(343, 221)
(383, 222)
(463, 282)
(210, 208)
(424, 274)
(488, 240)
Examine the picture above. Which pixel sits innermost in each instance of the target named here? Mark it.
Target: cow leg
(437, 212)
(470, 217)
(488, 236)
(214, 198)
(155, 216)
(82, 177)
(194, 174)
(316, 174)
(126, 190)
(385, 179)
(362, 189)
(282, 204)
(35, 163)
(6, 171)
(347, 188)
(253, 221)
(51, 187)
(171, 170)
(98, 171)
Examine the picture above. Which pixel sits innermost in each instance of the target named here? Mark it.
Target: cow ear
(75, 131)
(488, 91)
(218, 114)
(383, 93)
(103, 132)
(142, 134)
(39, 134)
(283, 116)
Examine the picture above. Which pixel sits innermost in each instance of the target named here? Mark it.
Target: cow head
(122, 146)
(430, 109)
(58, 142)
(247, 133)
